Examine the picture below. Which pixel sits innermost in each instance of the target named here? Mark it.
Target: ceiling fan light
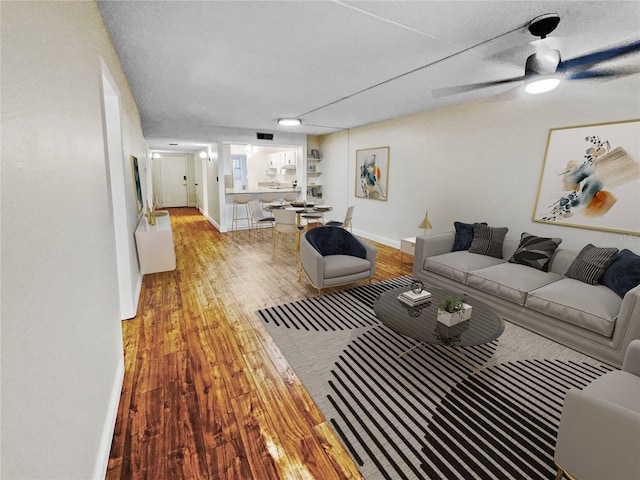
(541, 85)
(289, 122)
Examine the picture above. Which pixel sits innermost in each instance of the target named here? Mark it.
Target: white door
(173, 171)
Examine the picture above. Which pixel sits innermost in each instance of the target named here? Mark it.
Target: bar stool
(265, 199)
(290, 197)
(243, 200)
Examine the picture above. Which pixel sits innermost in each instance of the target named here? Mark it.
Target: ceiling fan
(544, 68)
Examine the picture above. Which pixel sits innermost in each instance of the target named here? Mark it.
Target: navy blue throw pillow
(623, 274)
(335, 241)
(464, 236)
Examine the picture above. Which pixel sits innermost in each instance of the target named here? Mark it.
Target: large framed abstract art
(591, 177)
(372, 173)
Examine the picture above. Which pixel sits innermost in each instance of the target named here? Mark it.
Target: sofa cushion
(591, 263)
(510, 281)
(464, 236)
(562, 260)
(594, 307)
(623, 274)
(488, 240)
(343, 265)
(456, 265)
(535, 251)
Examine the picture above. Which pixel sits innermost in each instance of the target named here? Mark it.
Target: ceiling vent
(264, 136)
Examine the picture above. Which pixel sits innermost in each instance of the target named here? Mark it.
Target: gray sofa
(591, 319)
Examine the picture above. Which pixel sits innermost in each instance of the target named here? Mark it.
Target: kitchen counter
(259, 190)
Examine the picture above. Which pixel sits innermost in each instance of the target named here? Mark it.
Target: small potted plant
(452, 310)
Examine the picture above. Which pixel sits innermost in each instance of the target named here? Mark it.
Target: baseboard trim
(138, 291)
(102, 458)
(377, 238)
(215, 224)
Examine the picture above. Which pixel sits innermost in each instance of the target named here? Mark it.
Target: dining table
(309, 210)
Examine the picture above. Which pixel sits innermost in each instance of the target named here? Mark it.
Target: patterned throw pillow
(623, 274)
(591, 263)
(535, 251)
(488, 240)
(464, 236)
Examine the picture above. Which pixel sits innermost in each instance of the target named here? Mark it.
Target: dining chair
(346, 223)
(316, 214)
(258, 218)
(286, 223)
(313, 216)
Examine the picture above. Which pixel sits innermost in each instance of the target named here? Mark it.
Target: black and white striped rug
(490, 411)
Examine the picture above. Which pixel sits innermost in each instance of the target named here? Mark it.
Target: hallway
(206, 393)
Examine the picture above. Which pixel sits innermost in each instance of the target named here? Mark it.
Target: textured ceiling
(198, 66)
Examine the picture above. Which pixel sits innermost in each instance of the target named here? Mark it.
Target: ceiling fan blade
(508, 95)
(603, 73)
(590, 59)
(446, 91)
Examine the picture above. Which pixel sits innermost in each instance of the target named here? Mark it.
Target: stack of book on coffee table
(413, 299)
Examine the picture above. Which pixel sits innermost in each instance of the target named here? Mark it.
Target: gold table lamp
(425, 224)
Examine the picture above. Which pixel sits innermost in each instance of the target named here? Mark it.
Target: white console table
(408, 246)
(156, 252)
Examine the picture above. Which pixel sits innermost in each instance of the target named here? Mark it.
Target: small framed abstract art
(135, 172)
(591, 178)
(372, 173)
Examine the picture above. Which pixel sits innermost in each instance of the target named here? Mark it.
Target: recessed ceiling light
(289, 122)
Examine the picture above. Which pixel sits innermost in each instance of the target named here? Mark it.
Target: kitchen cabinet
(282, 163)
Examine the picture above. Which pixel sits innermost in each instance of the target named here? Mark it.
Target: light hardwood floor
(206, 392)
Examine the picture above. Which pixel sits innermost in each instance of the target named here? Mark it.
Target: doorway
(115, 168)
(239, 163)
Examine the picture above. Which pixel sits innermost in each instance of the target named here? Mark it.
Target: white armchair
(599, 434)
(331, 256)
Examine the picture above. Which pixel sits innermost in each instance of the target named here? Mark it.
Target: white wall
(215, 166)
(479, 161)
(62, 360)
(192, 198)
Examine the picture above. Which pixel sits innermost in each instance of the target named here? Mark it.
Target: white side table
(408, 246)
